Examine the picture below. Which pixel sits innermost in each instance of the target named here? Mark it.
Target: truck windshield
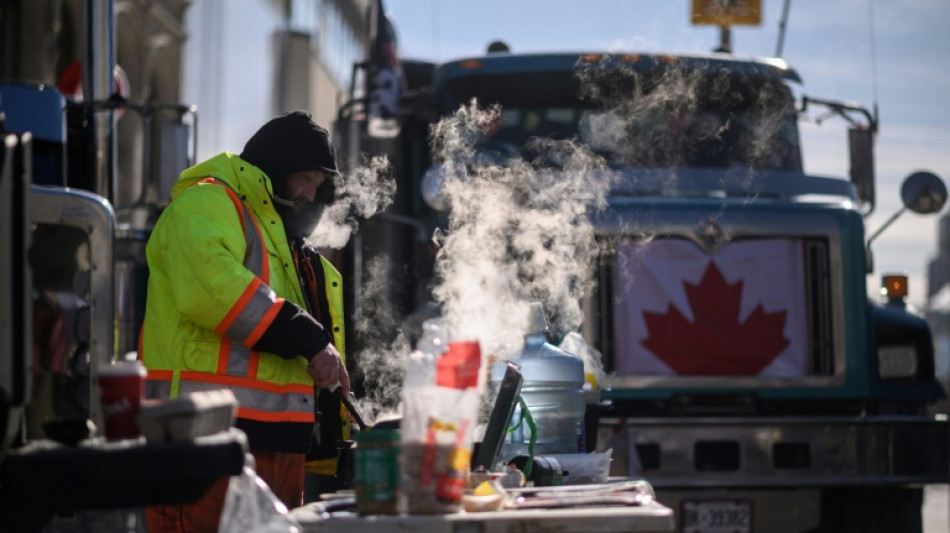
(656, 118)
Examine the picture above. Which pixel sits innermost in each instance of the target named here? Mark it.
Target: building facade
(316, 53)
(938, 302)
(249, 60)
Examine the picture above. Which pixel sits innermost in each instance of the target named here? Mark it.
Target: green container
(377, 471)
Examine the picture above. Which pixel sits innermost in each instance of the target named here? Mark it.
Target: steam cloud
(518, 232)
(383, 346)
(671, 118)
(367, 190)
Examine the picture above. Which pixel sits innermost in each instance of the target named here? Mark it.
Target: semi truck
(755, 384)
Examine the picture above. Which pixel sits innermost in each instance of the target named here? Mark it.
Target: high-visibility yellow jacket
(220, 267)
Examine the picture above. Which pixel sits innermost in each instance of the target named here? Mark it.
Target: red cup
(121, 389)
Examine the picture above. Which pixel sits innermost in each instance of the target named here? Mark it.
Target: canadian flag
(740, 311)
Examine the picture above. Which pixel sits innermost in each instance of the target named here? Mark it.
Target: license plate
(717, 516)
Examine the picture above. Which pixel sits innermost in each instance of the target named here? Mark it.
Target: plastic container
(553, 392)
(583, 468)
(188, 416)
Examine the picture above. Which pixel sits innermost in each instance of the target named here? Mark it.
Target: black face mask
(300, 219)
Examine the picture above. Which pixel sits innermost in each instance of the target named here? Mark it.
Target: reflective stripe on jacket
(219, 269)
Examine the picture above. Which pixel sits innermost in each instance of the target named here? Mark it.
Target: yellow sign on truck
(727, 12)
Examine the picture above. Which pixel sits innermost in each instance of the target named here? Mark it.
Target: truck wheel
(871, 510)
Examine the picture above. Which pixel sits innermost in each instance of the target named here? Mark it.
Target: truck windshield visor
(653, 119)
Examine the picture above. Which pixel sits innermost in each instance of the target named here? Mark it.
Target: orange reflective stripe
(141, 336)
(238, 306)
(224, 354)
(265, 416)
(159, 375)
(265, 386)
(265, 262)
(252, 365)
(239, 206)
(231, 194)
(264, 323)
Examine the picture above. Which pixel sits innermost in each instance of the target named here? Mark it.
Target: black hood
(290, 143)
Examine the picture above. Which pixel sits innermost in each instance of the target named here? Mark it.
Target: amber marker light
(894, 286)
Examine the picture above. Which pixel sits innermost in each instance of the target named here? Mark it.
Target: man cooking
(238, 299)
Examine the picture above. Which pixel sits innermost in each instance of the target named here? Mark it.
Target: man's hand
(327, 369)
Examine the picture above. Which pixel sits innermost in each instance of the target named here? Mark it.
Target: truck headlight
(433, 188)
(898, 361)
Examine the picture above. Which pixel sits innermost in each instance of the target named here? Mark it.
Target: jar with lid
(377, 471)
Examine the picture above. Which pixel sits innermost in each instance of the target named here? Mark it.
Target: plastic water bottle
(552, 390)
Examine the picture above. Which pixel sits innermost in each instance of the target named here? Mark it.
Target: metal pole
(97, 85)
(781, 28)
(885, 225)
(354, 129)
(725, 40)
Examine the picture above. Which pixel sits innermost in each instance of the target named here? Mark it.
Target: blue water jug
(552, 391)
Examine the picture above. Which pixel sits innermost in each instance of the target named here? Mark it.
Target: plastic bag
(580, 469)
(594, 374)
(440, 403)
(251, 507)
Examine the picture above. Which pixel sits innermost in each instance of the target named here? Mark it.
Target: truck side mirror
(861, 147)
(923, 193)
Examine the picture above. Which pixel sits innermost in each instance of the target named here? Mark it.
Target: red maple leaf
(715, 344)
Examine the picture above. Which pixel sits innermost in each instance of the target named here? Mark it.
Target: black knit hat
(290, 143)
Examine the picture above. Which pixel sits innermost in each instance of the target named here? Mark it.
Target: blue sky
(830, 43)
